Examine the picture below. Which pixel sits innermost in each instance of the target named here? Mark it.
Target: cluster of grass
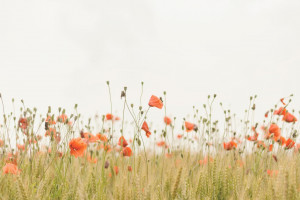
(196, 165)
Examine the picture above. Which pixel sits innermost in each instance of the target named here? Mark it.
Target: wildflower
(289, 143)
(10, 168)
(274, 129)
(89, 137)
(281, 140)
(155, 102)
(49, 120)
(280, 111)
(190, 126)
(229, 145)
(161, 143)
(272, 172)
(146, 129)
(261, 144)
(270, 147)
(77, 147)
(266, 114)
(62, 118)
(1, 143)
(102, 137)
(179, 136)
(122, 142)
(127, 151)
(167, 120)
(21, 147)
(282, 101)
(91, 159)
(109, 116)
(288, 117)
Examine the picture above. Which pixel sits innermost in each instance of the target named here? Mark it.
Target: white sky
(62, 52)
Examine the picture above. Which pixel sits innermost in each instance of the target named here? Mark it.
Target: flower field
(56, 155)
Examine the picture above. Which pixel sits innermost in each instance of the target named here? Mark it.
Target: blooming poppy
(146, 129)
(155, 102)
(229, 145)
(274, 129)
(288, 117)
(109, 116)
(77, 147)
(270, 147)
(190, 126)
(179, 136)
(21, 147)
(62, 118)
(281, 140)
(261, 144)
(127, 151)
(280, 111)
(89, 137)
(167, 120)
(122, 142)
(102, 137)
(282, 101)
(10, 168)
(289, 143)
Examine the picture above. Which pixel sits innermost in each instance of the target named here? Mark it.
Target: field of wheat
(55, 155)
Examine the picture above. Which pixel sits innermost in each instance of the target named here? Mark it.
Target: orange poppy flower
(89, 137)
(62, 118)
(272, 172)
(109, 116)
(102, 137)
(12, 158)
(282, 140)
(280, 111)
(289, 143)
(10, 168)
(274, 129)
(117, 118)
(266, 114)
(179, 136)
(116, 168)
(77, 147)
(229, 145)
(167, 120)
(190, 126)
(1, 143)
(146, 129)
(50, 121)
(261, 144)
(155, 102)
(122, 142)
(168, 155)
(127, 151)
(288, 117)
(51, 132)
(21, 147)
(270, 147)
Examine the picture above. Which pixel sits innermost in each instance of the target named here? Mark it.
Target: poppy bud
(123, 94)
(106, 165)
(107, 82)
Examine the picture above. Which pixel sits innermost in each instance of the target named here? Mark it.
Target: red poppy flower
(289, 143)
(179, 136)
(167, 120)
(109, 116)
(77, 147)
(21, 147)
(116, 168)
(122, 142)
(229, 145)
(282, 101)
(270, 147)
(102, 137)
(155, 102)
(190, 126)
(288, 117)
(274, 129)
(281, 140)
(127, 151)
(280, 111)
(1, 143)
(129, 168)
(146, 129)
(161, 143)
(10, 168)
(89, 137)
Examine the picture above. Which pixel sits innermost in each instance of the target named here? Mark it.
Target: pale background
(62, 52)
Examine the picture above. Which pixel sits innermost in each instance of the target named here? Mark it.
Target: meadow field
(57, 155)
